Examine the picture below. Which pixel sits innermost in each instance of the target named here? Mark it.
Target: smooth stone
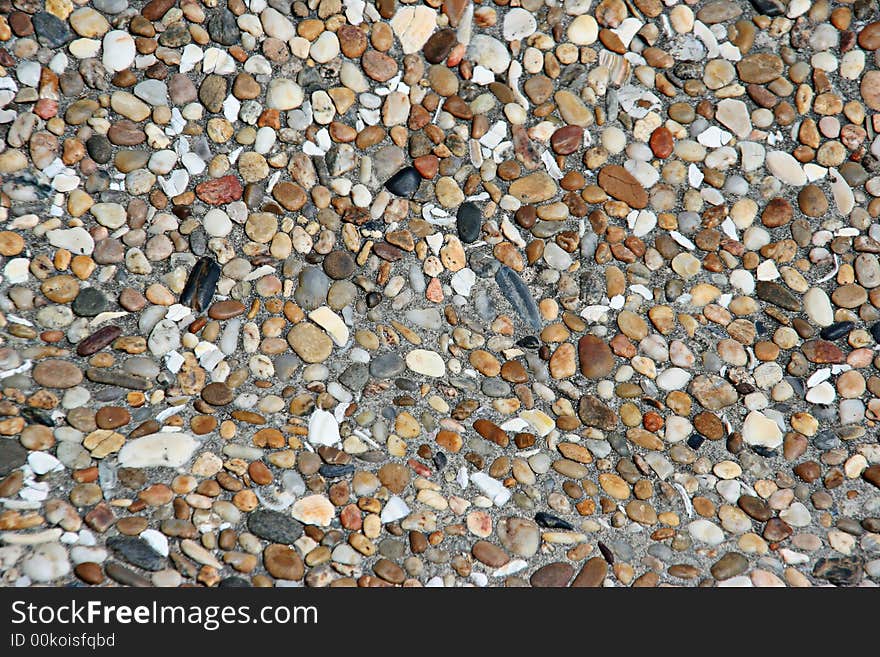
(137, 552)
(387, 366)
(469, 221)
(164, 449)
(274, 526)
(517, 293)
(405, 182)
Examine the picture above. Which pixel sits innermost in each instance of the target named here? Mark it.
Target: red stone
(435, 291)
(456, 55)
(567, 139)
(491, 432)
(156, 9)
(621, 346)
(821, 351)
(219, 191)
(350, 517)
(427, 166)
(595, 357)
(420, 468)
(46, 108)
(652, 421)
(661, 142)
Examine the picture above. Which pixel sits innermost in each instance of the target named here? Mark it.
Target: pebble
(158, 450)
(137, 552)
(390, 297)
(404, 183)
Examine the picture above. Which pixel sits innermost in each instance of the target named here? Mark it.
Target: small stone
(596, 360)
(592, 575)
(760, 430)
(405, 182)
(620, 184)
(730, 565)
(57, 374)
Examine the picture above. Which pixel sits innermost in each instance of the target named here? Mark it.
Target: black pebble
(549, 521)
(99, 148)
(137, 552)
(836, 330)
(36, 416)
(406, 384)
(89, 302)
(405, 182)
(331, 471)
(769, 7)
(274, 526)
(469, 220)
(529, 342)
(233, 582)
(198, 291)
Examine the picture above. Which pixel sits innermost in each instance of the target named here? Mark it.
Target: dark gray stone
(12, 455)
(198, 291)
(768, 7)
(117, 378)
(137, 552)
(125, 576)
(517, 293)
(51, 31)
(312, 289)
(405, 182)
(777, 295)
(355, 376)
(100, 149)
(274, 526)
(387, 366)
(90, 302)
(469, 220)
(223, 28)
(846, 571)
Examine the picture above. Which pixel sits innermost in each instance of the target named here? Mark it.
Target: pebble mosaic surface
(440, 293)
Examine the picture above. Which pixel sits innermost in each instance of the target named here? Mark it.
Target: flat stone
(137, 552)
(158, 450)
(777, 295)
(489, 554)
(622, 185)
(282, 561)
(844, 571)
(596, 360)
(387, 366)
(514, 289)
(760, 430)
(595, 413)
(309, 342)
(553, 575)
(469, 221)
(274, 526)
(57, 374)
(592, 575)
(534, 188)
(759, 68)
(730, 565)
(713, 392)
